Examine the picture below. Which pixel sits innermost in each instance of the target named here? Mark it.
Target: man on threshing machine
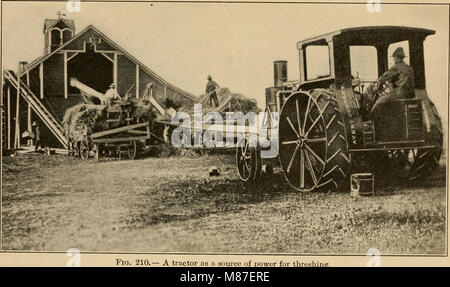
(401, 78)
(148, 91)
(111, 94)
(211, 87)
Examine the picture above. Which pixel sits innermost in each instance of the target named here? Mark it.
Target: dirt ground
(53, 203)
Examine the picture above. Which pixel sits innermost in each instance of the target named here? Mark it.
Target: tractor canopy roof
(370, 35)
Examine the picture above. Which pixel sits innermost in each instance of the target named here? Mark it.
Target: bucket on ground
(362, 184)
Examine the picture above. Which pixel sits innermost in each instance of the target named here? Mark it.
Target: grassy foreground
(56, 202)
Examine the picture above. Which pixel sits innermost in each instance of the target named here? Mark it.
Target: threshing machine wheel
(84, 149)
(313, 148)
(248, 160)
(132, 150)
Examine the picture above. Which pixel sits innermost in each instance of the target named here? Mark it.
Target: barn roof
(37, 61)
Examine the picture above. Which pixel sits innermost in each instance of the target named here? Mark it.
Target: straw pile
(229, 101)
(85, 119)
(89, 118)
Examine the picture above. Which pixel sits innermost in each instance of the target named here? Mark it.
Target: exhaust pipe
(279, 73)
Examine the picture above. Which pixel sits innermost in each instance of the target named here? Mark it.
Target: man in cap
(401, 77)
(111, 94)
(148, 92)
(37, 135)
(211, 87)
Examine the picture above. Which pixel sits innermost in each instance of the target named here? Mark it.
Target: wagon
(125, 140)
(121, 137)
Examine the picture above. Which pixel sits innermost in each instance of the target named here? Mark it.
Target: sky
(235, 43)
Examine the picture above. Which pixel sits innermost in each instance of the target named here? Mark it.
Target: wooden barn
(45, 91)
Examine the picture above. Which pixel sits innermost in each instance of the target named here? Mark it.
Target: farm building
(45, 91)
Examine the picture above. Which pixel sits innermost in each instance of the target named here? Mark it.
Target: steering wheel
(385, 88)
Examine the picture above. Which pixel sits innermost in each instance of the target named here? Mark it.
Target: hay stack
(82, 119)
(85, 119)
(233, 102)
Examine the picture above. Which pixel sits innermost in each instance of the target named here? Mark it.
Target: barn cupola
(57, 32)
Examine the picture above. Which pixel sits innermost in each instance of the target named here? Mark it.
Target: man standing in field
(37, 136)
(211, 87)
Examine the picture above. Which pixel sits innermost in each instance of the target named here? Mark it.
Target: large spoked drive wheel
(303, 141)
(248, 160)
(415, 164)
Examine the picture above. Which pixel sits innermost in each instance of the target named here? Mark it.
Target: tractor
(325, 130)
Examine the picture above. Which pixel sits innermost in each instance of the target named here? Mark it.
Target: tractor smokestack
(279, 73)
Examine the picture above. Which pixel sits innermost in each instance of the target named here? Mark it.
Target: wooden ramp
(37, 106)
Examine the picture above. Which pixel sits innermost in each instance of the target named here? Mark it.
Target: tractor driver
(401, 76)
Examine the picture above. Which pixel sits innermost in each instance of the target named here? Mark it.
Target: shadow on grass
(192, 199)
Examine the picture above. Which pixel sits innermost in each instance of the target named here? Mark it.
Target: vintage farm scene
(91, 153)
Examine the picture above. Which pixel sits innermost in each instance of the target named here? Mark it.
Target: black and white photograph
(225, 129)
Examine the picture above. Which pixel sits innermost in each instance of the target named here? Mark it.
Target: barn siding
(57, 106)
(34, 81)
(126, 76)
(78, 44)
(158, 88)
(54, 76)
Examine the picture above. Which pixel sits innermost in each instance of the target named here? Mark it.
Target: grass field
(56, 202)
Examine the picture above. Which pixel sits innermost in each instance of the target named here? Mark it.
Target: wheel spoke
(298, 118)
(289, 142)
(246, 167)
(241, 150)
(310, 167)
(314, 154)
(245, 149)
(313, 124)
(319, 127)
(292, 158)
(315, 140)
(292, 126)
(306, 116)
(302, 168)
